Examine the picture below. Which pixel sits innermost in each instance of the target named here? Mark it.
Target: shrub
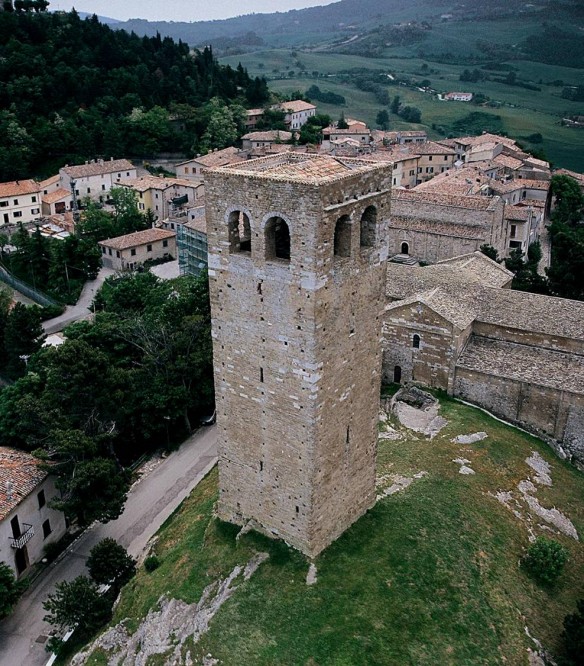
(545, 560)
(109, 563)
(10, 589)
(151, 563)
(77, 603)
(573, 634)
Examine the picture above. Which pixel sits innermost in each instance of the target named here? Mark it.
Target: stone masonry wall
(436, 232)
(556, 415)
(297, 355)
(433, 362)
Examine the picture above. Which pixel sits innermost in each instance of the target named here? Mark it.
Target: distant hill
(106, 20)
(316, 25)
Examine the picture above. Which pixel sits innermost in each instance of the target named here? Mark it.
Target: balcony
(24, 538)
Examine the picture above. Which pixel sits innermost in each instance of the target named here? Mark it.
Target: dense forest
(71, 89)
(136, 378)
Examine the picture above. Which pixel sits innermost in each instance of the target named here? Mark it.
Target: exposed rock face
(165, 629)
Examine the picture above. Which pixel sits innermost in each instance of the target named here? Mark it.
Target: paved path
(82, 308)
(149, 504)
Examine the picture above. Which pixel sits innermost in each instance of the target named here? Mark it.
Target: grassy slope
(427, 577)
(524, 112)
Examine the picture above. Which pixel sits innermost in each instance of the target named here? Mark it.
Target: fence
(24, 288)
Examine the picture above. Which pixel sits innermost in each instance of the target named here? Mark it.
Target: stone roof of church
(474, 232)
(451, 200)
(471, 291)
(535, 365)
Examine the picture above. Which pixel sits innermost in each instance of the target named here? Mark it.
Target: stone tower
(297, 257)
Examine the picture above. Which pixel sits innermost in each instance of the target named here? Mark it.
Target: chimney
(9, 488)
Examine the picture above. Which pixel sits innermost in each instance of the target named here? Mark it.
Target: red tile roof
(19, 476)
(18, 187)
(137, 238)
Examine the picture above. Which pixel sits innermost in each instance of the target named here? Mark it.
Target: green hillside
(429, 576)
(522, 112)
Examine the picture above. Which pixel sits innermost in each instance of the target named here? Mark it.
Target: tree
(382, 119)
(411, 114)
(109, 563)
(10, 589)
(23, 336)
(569, 200)
(223, 126)
(573, 634)
(342, 123)
(395, 105)
(527, 277)
(96, 491)
(545, 560)
(311, 131)
(489, 251)
(566, 273)
(77, 604)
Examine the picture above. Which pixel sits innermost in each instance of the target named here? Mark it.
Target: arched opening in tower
(277, 238)
(368, 225)
(342, 239)
(239, 232)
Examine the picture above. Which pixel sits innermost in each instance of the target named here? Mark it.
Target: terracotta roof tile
(98, 167)
(137, 238)
(19, 187)
(57, 195)
(50, 181)
(470, 202)
(296, 105)
(270, 135)
(301, 167)
(19, 476)
(534, 365)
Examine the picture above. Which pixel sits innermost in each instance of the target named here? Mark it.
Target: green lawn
(428, 577)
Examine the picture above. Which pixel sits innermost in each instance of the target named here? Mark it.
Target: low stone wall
(556, 416)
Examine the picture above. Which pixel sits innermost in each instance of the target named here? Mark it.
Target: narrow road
(150, 503)
(82, 308)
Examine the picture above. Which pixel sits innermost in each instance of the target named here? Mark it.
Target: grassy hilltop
(429, 576)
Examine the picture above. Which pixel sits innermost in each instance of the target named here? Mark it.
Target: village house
(266, 139)
(525, 224)
(252, 117)
(20, 201)
(382, 137)
(458, 97)
(192, 169)
(164, 197)
(27, 523)
(51, 184)
(297, 112)
(95, 179)
(433, 158)
(132, 250)
(359, 134)
(477, 148)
